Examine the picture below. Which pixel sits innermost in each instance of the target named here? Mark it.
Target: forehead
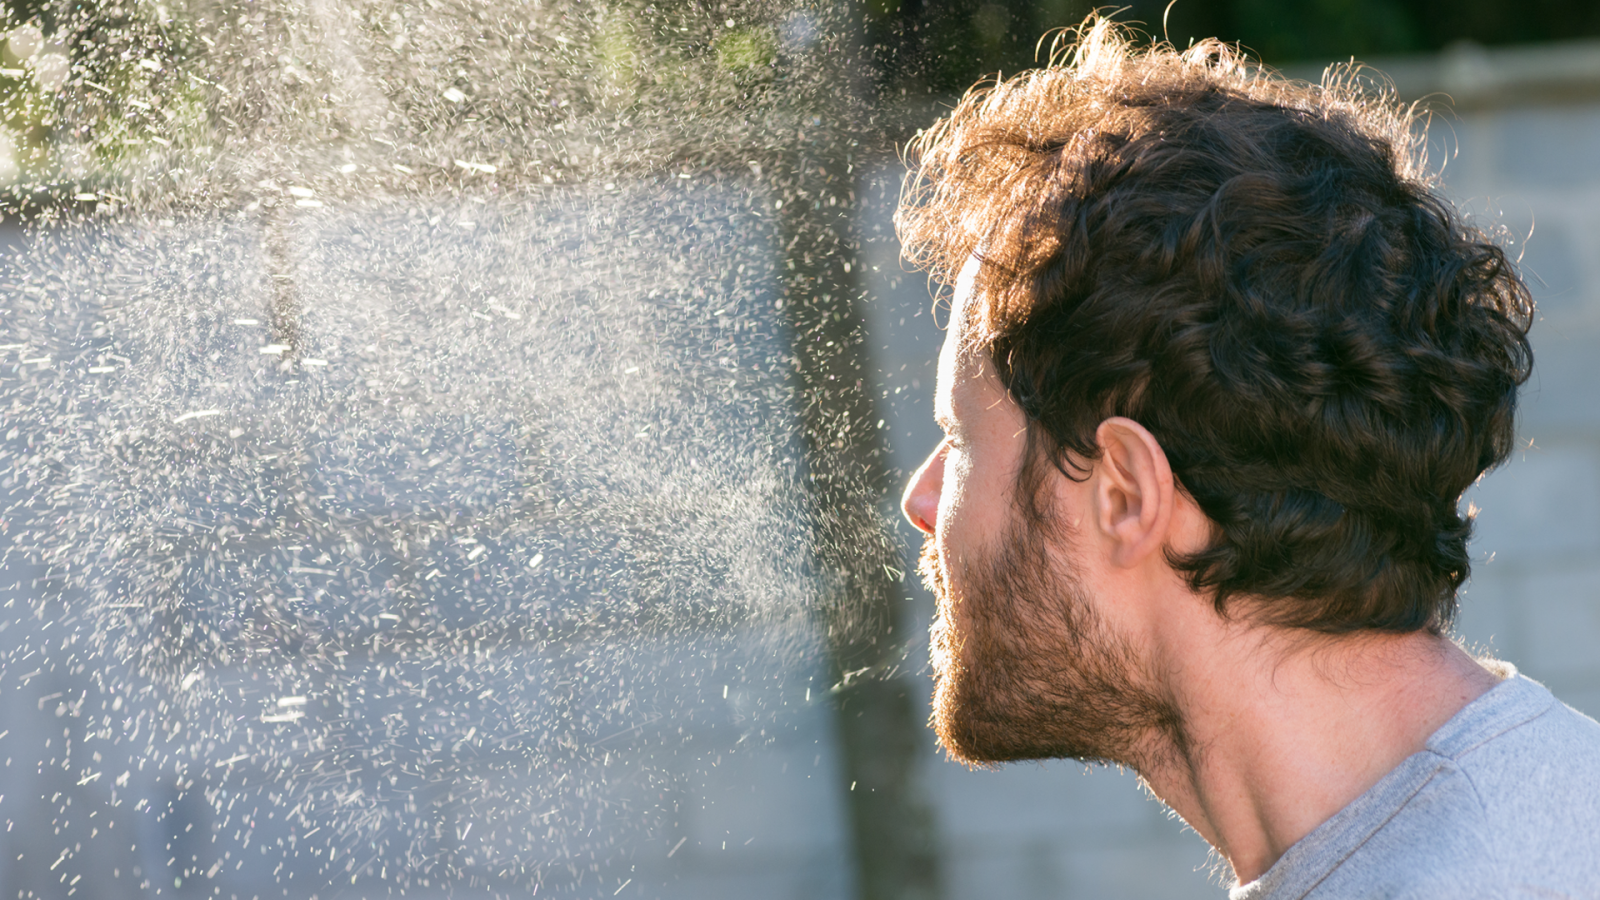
(958, 364)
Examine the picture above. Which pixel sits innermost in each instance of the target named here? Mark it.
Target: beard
(1025, 669)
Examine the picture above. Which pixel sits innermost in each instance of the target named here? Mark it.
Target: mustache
(931, 568)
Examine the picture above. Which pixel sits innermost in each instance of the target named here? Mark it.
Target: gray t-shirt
(1503, 802)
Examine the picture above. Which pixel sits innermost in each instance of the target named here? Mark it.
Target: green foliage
(746, 49)
(943, 46)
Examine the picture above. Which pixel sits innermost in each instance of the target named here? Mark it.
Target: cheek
(954, 482)
(955, 496)
(975, 503)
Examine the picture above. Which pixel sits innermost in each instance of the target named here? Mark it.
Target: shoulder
(1509, 807)
(1514, 807)
(1540, 769)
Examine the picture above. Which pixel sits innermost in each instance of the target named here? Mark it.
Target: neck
(1279, 734)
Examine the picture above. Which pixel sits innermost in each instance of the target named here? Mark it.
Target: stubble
(1024, 667)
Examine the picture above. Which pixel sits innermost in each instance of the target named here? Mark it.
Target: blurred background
(591, 163)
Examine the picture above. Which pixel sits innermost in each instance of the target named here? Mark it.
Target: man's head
(1256, 277)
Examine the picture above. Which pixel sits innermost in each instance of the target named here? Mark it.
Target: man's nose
(920, 502)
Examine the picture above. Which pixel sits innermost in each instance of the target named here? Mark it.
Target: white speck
(24, 41)
(189, 680)
(454, 95)
(631, 370)
(302, 192)
(37, 361)
(485, 168)
(231, 760)
(197, 414)
(466, 224)
(477, 552)
(313, 362)
(407, 170)
(291, 701)
(150, 64)
(289, 716)
(273, 349)
(85, 198)
(724, 692)
(537, 558)
(347, 168)
(101, 370)
(309, 204)
(390, 616)
(247, 321)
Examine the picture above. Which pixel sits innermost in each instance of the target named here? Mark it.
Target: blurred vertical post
(277, 240)
(878, 715)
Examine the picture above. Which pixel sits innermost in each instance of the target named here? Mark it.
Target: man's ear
(1134, 492)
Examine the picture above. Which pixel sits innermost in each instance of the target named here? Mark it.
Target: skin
(1279, 729)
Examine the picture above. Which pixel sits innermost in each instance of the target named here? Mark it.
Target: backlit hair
(1260, 272)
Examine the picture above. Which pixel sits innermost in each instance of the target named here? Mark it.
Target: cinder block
(1560, 396)
(818, 877)
(1175, 868)
(1552, 269)
(1561, 618)
(1487, 619)
(1546, 146)
(1543, 503)
(763, 801)
(1029, 869)
(1063, 799)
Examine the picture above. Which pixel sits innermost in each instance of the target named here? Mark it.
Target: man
(1219, 368)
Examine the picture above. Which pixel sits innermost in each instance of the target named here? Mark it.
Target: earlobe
(1134, 491)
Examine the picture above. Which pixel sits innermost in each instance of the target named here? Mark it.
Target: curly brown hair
(1260, 272)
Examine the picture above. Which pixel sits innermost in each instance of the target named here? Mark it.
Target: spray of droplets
(401, 452)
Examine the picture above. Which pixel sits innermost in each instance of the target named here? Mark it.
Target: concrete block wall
(1534, 597)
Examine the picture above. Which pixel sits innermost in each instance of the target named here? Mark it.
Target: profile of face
(1025, 666)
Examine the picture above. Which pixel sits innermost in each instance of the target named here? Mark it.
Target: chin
(976, 724)
(1025, 670)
